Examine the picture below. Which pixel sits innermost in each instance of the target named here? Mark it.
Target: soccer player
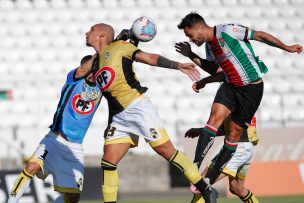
(236, 169)
(228, 47)
(60, 151)
(131, 114)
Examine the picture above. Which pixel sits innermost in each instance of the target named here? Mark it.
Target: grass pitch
(291, 199)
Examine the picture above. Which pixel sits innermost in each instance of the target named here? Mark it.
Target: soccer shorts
(243, 102)
(238, 165)
(139, 119)
(62, 159)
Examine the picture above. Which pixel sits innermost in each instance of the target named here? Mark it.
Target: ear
(102, 34)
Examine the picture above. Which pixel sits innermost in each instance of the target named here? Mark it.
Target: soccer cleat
(210, 195)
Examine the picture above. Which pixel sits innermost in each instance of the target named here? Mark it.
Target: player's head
(195, 28)
(99, 35)
(89, 76)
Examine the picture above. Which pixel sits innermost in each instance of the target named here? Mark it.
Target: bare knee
(165, 150)
(218, 114)
(233, 188)
(32, 168)
(72, 197)
(235, 133)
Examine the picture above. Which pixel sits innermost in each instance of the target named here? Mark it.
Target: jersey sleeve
(71, 76)
(239, 32)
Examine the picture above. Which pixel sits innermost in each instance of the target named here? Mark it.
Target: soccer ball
(143, 29)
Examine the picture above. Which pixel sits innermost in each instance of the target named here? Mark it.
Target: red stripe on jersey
(227, 66)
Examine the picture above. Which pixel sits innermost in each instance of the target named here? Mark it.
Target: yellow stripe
(66, 190)
(131, 140)
(229, 172)
(164, 137)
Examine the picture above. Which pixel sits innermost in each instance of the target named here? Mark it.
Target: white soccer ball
(143, 29)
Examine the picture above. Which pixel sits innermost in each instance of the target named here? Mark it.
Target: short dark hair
(190, 20)
(85, 59)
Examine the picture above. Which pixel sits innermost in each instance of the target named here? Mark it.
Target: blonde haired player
(131, 114)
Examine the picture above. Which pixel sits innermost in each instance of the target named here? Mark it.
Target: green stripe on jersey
(241, 56)
(263, 68)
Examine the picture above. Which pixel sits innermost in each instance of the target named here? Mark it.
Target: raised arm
(275, 42)
(184, 48)
(158, 60)
(218, 77)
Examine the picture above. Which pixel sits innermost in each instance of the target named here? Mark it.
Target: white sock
(20, 186)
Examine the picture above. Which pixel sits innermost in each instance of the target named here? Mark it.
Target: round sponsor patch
(81, 106)
(105, 77)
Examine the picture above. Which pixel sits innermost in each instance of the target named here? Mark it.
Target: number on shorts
(111, 131)
(154, 133)
(44, 154)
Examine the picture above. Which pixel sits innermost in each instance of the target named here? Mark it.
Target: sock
(249, 198)
(190, 170)
(20, 186)
(197, 198)
(222, 159)
(110, 182)
(205, 141)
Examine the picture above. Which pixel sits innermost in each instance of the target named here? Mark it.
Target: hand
(198, 85)
(190, 70)
(123, 35)
(183, 48)
(194, 132)
(295, 48)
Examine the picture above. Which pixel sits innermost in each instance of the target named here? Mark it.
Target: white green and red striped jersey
(231, 49)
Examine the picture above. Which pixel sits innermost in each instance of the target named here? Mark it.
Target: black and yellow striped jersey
(116, 77)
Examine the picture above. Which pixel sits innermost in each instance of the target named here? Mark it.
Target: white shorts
(238, 165)
(139, 119)
(62, 159)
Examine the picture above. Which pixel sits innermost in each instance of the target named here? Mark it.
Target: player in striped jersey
(131, 114)
(228, 47)
(60, 152)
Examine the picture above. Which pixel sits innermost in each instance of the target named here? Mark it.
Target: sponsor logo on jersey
(81, 106)
(105, 77)
(90, 93)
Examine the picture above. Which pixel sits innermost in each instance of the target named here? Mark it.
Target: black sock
(205, 141)
(224, 156)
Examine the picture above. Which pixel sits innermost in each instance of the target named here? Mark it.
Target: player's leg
(190, 171)
(207, 134)
(35, 164)
(23, 181)
(113, 153)
(227, 151)
(237, 187)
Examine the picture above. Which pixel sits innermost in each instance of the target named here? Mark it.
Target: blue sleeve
(71, 76)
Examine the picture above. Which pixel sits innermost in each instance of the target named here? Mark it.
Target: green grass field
(293, 199)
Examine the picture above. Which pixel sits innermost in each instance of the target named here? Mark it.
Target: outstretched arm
(184, 48)
(275, 42)
(158, 60)
(219, 77)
